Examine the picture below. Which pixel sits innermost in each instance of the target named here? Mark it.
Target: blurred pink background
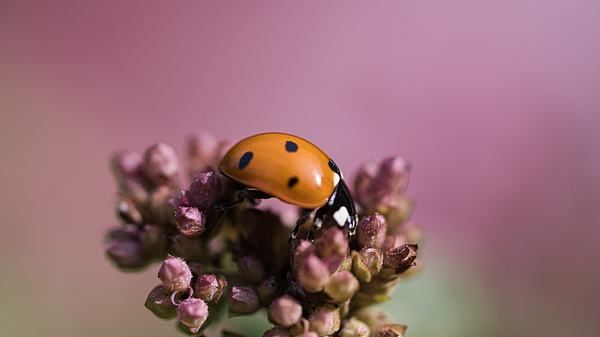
(495, 103)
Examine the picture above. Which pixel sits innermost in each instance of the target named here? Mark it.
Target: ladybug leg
(253, 195)
(304, 218)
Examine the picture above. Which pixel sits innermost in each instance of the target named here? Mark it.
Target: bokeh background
(495, 103)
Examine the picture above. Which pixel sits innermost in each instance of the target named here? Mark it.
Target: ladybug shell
(282, 165)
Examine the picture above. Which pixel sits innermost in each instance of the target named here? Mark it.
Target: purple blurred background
(495, 103)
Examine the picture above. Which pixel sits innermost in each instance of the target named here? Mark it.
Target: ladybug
(295, 171)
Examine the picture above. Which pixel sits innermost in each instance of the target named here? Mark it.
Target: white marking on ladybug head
(336, 179)
(340, 216)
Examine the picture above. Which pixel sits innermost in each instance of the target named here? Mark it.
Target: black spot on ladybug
(245, 160)
(333, 166)
(293, 181)
(291, 146)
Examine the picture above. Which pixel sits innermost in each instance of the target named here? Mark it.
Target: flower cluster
(223, 255)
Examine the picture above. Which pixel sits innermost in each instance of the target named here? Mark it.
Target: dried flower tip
(285, 311)
(312, 274)
(341, 286)
(367, 263)
(126, 254)
(389, 330)
(190, 221)
(160, 163)
(159, 302)
(277, 332)
(334, 242)
(268, 288)
(192, 312)
(127, 211)
(126, 164)
(209, 287)
(204, 189)
(175, 274)
(153, 240)
(355, 328)
(400, 258)
(243, 301)
(325, 320)
(251, 269)
(371, 231)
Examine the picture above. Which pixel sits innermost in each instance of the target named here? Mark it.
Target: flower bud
(175, 274)
(192, 312)
(389, 330)
(354, 328)
(303, 249)
(190, 221)
(153, 240)
(127, 211)
(204, 189)
(400, 258)
(362, 183)
(126, 254)
(268, 289)
(125, 164)
(367, 263)
(160, 163)
(251, 269)
(308, 334)
(285, 311)
(243, 301)
(325, 320)
(393, 241)
(398, 211)
(134, 190)
(277, 332)
(209, 287)
(371, 231)
(333, 242)
(159, 302)
(341, 286)
(202, 150)
(312, 274)
(372, 316)
(391, 179)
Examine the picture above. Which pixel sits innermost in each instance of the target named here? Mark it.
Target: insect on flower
(293, 170)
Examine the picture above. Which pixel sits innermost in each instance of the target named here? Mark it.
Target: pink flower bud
(192, 313)
(204, 189)
(175, 274)
(160, 163)
(243, 301)
(371, 231)
(285, 311)
(312, 274)
(190, 221)
(325, 320)
(209, 287)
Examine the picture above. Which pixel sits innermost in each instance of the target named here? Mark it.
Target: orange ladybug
(293, 170)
